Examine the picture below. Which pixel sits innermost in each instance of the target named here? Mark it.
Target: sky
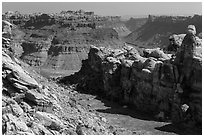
(108, 8)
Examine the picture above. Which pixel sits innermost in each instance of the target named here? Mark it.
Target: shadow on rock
(115, 108)
(178, 130)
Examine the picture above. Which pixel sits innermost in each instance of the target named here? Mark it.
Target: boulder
(157, 53)
(26, 107)
(12, 123)
(38, 98)
(118, 53)
(11, 106)
(95, 58)
(6, 26)
(18, 75)
(150, 64)
(39, 129)
(175, 42)
(21, 77)
(49, 120)
(16, 110)
(21, 88)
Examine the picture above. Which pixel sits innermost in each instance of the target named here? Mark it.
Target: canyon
(56, 67)
(53, 38)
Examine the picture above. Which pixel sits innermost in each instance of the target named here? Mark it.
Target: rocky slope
(157, 29)
(32, 105)
(148, 82)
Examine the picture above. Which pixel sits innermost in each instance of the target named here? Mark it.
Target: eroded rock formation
(148, 82)
(31, 105)
(61, 41)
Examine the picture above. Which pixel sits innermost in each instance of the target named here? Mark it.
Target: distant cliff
(61, 41)
(157, 29)
(135, 23)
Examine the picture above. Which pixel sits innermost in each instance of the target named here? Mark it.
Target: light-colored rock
(11, 106)
(16, 109)
(13, 124)
(38, 98)
(49, 120)
(150, 64)
(18, 74)
(24, 78)
(25, 106)
(184, 107)
(39, 129)
(22, 88)
(175, 42)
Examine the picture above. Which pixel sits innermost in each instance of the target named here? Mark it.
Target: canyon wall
(157, 29)
(61, 41)
(147, 82)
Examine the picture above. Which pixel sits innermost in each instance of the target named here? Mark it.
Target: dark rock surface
(148, 82)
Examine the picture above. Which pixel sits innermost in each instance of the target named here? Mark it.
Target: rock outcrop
(31, 105)
(31, 108)
(148, 82)
(22, 97)
(175, 42)
(20, 88)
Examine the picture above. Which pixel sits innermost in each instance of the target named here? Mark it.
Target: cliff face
(62, 41)
(148, 82)
(35, 52)
(64, 49)
(155, 32)
(135, 23)
(65, 57)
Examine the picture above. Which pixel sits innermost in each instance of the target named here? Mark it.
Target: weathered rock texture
(33, 106)
(22, 98)
(148, 82)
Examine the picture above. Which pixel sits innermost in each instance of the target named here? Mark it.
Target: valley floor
(125, 121)
(117, 119)
(111, 117)
(120, 120)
